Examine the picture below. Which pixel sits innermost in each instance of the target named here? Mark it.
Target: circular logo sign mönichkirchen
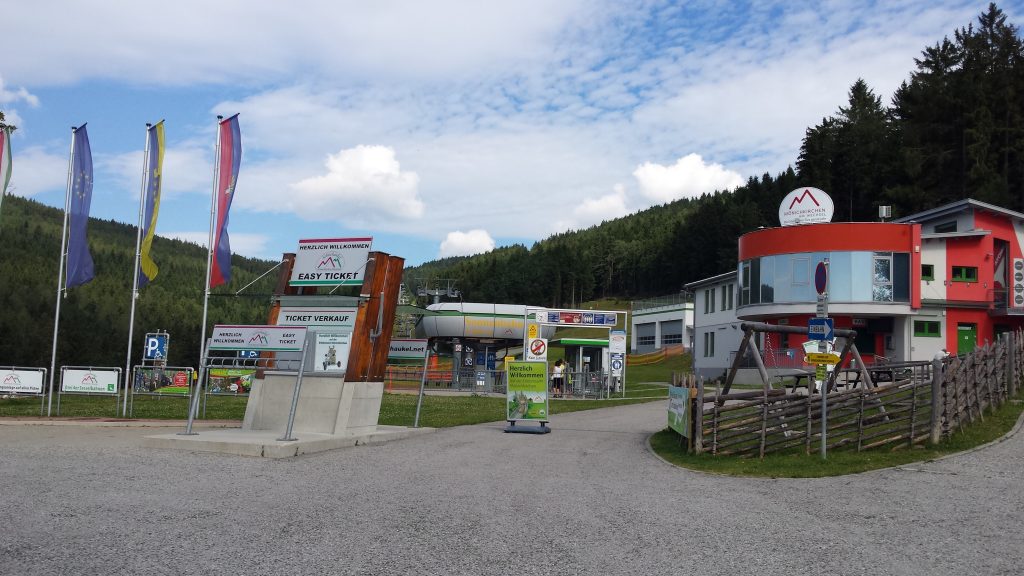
(806, 206)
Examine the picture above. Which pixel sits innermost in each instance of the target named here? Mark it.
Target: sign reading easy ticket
(331, 262)
(274, 338)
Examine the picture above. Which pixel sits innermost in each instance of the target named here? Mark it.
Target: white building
(659, 322)
(716, 328)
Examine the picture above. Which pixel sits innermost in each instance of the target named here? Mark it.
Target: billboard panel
(331, 262)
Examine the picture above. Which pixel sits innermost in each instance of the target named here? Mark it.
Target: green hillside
(94, 317)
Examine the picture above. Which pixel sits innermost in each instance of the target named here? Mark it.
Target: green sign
(527, 391)
(679, 410)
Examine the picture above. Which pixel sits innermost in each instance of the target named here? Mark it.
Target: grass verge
(839, 462)
(395, 410)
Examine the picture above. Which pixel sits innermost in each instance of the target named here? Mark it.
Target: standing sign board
(820, 329)
(330, 262)
(338, 319)
(89, 381)
(259, 338)
(679, 410)
(14, 381)
(156, 346)
(527, 391)
(408, 349)
(537, 350)
(331, 353)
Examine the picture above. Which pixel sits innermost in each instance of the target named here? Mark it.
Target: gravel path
(588, 498)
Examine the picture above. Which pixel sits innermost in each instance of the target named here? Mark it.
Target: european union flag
(80, 268)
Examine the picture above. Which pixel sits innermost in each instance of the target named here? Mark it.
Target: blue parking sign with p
(156, 347)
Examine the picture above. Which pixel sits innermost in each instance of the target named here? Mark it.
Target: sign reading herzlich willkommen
(331, 262)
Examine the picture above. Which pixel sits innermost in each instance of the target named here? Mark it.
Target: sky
(440, 128)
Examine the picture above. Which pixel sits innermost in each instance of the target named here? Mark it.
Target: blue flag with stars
(80, 269)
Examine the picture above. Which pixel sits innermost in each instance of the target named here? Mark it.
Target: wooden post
(937, 404)
(1011, 362)
(698, 419)
(375, 318)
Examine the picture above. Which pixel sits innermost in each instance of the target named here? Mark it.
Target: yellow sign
(821, 358)
(532, 331)
(820, 373)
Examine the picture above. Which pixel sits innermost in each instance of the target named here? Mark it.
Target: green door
(966, 338)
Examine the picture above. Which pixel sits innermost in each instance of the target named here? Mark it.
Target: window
(723, 301)
(709, 344)
(706, 300)
(927, 272)
(732, 288)
(929, 328)
(881, 281)
(965, 274)
(945, 227)
(644, 341)
(672, 339)
(711, 296)
(745, 283)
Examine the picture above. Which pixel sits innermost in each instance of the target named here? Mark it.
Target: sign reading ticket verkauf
(527, 391)
(331, 262)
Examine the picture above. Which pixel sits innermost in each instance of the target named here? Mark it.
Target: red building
(951, 277)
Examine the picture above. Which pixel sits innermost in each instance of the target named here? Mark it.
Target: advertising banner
(331, 352)
(576, 318)
(21, 381)
(331, 262)
(259, 338)
(169, 380)
(231, 380)
(90, 381)
(679, 410)
(407, 349)
(527, 391)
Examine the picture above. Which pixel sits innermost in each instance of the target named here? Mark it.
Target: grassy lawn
(396, 409)
(839, 462)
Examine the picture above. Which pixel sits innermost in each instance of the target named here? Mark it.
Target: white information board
(406, 348)
(260, 338)
(21, 381)
(89, 381)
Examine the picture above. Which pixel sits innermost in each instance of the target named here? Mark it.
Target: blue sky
(439, 128)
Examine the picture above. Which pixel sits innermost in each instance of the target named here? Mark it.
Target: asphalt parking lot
(589, 498)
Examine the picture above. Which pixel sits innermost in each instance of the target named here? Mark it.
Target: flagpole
(60, 269)
(128, 378)
(209, 243)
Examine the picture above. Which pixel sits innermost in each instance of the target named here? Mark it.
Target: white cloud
(187, 169)
(593, 211)
(689, 177)
(251, 245)
(460, 243)
(34, 170)
(364, 184)
(12, 96)
(266, 38)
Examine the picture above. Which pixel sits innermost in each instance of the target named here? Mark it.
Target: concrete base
(265, 444)
(331, 413)
(327, 405)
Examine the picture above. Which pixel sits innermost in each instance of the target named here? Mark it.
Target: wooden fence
(923, 402)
